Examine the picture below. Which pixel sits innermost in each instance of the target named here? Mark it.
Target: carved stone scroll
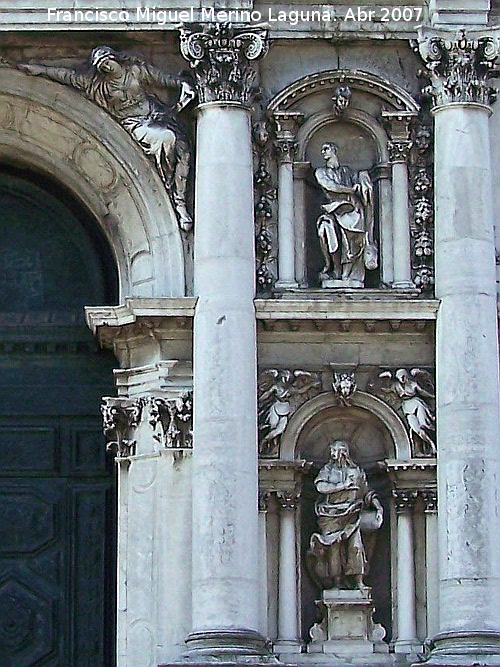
(222, 58)
(459, 67)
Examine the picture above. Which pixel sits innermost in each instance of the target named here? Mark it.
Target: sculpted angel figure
(280, 392)
(345, 229)
(123, 85)
(412, 388)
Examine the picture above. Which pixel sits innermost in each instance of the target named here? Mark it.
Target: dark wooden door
(57, 486)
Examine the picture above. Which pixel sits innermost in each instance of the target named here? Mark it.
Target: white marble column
(406, 617)
(288, 640)
(286, 146)
(468, 423)
(226, 578)
(399, 150)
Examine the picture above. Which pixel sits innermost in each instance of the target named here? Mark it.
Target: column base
(228, 646)
(287, 646)
(463, 649)
(410, 647)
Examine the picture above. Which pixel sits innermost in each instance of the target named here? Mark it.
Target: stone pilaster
(288, 639)
(398, 127)
(225, 585)
(286, 123)
(468, 424)
(406, 618)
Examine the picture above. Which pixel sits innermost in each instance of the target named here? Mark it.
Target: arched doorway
(57, 488)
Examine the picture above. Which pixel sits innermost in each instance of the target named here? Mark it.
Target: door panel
(57, 485)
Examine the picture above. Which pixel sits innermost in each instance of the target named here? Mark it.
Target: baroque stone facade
(281, 227)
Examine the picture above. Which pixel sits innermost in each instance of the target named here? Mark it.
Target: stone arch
(54, 130)
(360, 399)
(390, 93)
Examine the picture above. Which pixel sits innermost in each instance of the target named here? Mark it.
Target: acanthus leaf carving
(221, 57)
(121, 416)
(281, 392)
(174, 417)
(459, 66)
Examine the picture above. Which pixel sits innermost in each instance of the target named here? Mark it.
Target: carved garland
(264, 195)
(422, 201)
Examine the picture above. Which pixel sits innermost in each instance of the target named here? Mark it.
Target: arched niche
(311, 420)
(375, 433)
(379, 112)
(52, 129)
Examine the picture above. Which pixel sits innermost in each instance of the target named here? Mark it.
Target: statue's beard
(342, 460)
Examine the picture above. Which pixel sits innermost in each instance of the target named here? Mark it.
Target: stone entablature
(300, 20)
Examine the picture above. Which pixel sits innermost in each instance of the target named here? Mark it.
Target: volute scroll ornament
(221, 57)
(459, 66)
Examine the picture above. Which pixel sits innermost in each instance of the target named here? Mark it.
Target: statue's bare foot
(185, 220)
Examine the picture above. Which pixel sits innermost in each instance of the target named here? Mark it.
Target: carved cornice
(459, 66)
(399, 150)
(120, 418)
(222, 58)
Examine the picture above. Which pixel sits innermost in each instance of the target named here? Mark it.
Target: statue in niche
(122, 85)
(414, 388)
(345, 229)
(346, 508)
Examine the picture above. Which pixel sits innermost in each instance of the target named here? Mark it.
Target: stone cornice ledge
(134, 307)
(352, 309)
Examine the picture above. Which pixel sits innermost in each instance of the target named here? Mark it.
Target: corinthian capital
(222, 58)
(459, 66)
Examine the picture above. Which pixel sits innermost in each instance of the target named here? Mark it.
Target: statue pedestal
(332, 283)
(346, 628)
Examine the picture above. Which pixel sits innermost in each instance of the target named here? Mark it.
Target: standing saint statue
(337, 557)
(122, 85)
(345, 229)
